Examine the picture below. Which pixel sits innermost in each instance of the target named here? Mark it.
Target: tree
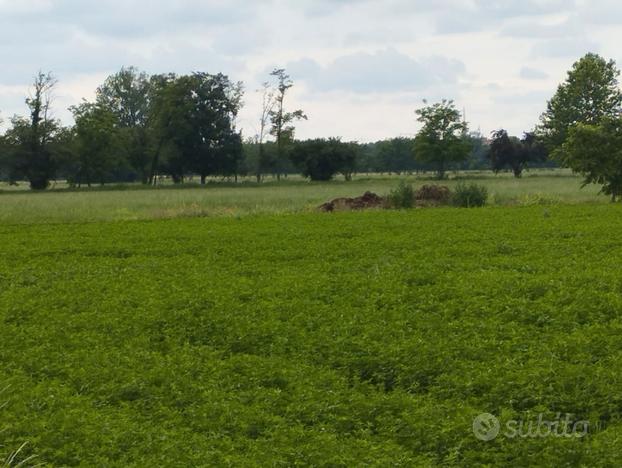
(32, 139)
(282, 121)
(162, 99)
(96, 144)
(442, 140)
(396, 155)
(506, 151)
(267, 107)
(595, 151)
(126, 95)
(194, 116)
(589, 94)
(321, 160)
(217, 102)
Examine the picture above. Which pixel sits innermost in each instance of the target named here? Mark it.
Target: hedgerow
(358, 339)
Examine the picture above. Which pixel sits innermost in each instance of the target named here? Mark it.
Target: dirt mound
(432, 194)
(368, 200)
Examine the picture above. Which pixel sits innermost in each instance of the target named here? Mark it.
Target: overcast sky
(361, 67)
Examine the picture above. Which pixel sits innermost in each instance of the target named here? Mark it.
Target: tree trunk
(154, 163)
(441, 170)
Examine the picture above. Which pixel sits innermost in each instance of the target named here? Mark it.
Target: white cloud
(361, 67)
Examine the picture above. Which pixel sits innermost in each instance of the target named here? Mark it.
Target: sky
(360, 67)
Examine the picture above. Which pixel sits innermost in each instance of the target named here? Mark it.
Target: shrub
(470, 195)
(402, 197)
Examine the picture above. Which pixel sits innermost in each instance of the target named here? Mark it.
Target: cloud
(528, 73)
(571, 47)
(349, 56)
(383, 71)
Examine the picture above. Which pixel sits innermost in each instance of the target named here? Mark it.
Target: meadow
(127, 203)
(272, 335)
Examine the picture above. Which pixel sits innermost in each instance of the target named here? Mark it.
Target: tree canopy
(322, 159)
(514, 153)
(443, 139)
(589, 94)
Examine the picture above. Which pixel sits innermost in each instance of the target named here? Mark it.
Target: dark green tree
(321, 160)
(126, 95)
(514, 153)
(443, 139)
(31, 140)
(194, 117)
(396, 155)
(97, 146)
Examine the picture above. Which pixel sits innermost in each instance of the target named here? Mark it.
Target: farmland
(287, 337)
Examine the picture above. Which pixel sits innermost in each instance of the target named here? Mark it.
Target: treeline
(137, 128)
(140, 128)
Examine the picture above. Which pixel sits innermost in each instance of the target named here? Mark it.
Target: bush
(470, 195)
(402, 197)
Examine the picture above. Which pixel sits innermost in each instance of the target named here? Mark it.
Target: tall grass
(294, 195)
(13, 459)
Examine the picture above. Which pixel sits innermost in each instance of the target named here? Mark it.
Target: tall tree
(281, 120)
(195, 118)
(126, 95)
(32, 139)
(267, 106)
(217, 101)
(96, 143)
(590, 93)
(163, 99)
(443, 139)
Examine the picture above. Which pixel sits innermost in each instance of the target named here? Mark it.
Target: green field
(304, 339)
(294, 195)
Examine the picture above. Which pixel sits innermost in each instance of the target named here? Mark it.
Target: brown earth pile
(432, 195)
(368, 200)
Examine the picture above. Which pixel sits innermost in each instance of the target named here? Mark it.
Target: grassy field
(351, 339)
(295, 195)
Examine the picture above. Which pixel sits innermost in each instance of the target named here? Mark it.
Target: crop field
(306, 339)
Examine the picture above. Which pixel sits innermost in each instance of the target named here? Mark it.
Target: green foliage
(194, 116)
(470, 195)
(595, 151)
(403, 196)
(590, 93)
(321, 159)
(363, 339)
(443, 139)
(97, 149)
(127, 94)
(396, 155)
(32, 140)
(506, 151)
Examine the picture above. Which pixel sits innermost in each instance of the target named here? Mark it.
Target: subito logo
(486, 427)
